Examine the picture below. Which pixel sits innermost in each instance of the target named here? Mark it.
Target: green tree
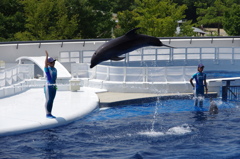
(213, 14)
(11, 19)
(122, 5)
(102, 21)
(186, 29)
(95, 18)
(85, 14)
(47, 20)
(231, 22)
(126, 22)
(190, 12)
(65, 26)
(193, 5)
(156, 18)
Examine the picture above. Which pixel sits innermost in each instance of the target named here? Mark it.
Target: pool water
(162, 129)
(213, 75)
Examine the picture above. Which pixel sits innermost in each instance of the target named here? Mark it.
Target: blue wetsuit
(199, 90)
(50, 87)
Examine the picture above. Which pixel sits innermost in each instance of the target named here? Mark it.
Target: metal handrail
(107, 39)
(183, 53)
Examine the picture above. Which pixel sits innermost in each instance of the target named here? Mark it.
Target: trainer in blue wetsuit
(200, 79)
(50, 88)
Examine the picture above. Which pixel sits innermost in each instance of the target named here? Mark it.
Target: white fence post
(124, 74)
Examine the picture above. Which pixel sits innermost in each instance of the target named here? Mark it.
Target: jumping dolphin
(213, 109)
(122, 45)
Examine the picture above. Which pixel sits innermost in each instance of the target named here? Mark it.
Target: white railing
(76, 56)
(16, 74)
(134, 74)
(187, 54)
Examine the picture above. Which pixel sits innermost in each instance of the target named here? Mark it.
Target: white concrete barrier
(74, 85)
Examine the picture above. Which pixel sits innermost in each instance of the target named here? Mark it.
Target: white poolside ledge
(214, 85)
(25, 112)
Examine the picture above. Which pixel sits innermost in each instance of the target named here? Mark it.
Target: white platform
(25, 112)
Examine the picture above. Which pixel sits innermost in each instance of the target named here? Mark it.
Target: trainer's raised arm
(46, 60)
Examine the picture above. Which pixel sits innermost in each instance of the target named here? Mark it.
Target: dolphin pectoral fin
(117, 58)
(133, 31)
(167, 46)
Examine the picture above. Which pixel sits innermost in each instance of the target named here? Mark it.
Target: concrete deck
(111, 99)
(25, 112)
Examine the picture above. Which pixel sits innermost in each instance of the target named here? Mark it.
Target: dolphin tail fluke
(167, 46)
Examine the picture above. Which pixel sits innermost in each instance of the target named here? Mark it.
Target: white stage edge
(25, 112)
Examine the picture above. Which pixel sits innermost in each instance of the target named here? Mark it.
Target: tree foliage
(84, 19)
(122, 5)
(186, 29)
(100, 20)
(156, 18)
(213, 14)
(231, 21)
(126, 22)
(63, 19)
(11, 19)
(47, 20)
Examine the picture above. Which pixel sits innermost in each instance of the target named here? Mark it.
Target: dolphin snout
(91, 66)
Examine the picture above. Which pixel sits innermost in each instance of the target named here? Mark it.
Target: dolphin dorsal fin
(133, 31)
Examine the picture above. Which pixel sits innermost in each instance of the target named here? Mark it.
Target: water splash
(152, 133)
(104, 108)
(178, 130)
(155, 114)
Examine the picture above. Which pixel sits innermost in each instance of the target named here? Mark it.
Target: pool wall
(14, 50)
(151, 69)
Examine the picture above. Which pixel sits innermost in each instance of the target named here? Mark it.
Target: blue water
(213, 75)
(162, 129)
